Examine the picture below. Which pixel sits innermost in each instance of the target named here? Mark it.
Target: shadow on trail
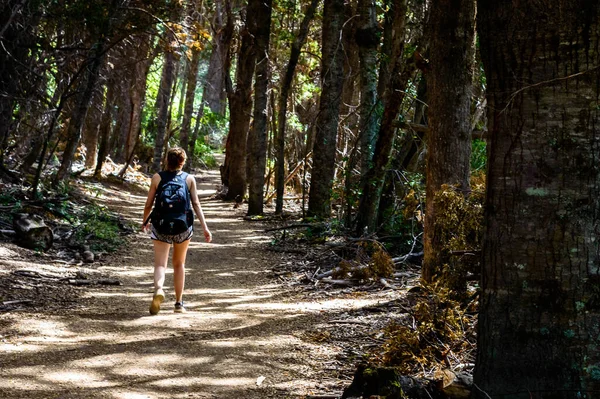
(240, 325)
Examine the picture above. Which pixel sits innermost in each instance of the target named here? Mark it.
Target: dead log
(386, 382)
(455, 385)
(31, 232)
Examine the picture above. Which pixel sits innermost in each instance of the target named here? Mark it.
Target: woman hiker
(171, 223)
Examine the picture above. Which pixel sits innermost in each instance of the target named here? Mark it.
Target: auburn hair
(176, 157)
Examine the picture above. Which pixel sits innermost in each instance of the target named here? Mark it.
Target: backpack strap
(184, 176)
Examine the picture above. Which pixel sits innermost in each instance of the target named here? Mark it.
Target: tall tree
(94, 62)
(367, 38)
(452, 32)
(257, 154)
(16, 37)
(399, 73)
(163, 101)
(214, 94)
(332, 82)
(193, 61)
(105, 125)
(240, 106)
(286, 86)
(540, 308)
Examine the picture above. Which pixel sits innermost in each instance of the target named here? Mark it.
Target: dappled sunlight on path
(239, 326)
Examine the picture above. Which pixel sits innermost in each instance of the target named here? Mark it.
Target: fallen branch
(387, 285)
(404, 258)
(80, 282)
(292, 226)
(345, 283)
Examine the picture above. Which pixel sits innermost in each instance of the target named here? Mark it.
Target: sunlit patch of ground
(241, 337)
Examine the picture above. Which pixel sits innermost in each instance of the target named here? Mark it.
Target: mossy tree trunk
(257, 141)
(373, 180)
(540, 305)
(332, 82)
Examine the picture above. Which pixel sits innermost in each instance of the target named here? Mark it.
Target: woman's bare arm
(198, 208)
(150, 198)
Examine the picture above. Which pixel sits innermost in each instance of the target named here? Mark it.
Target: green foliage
(214, 128)
(478, 156)
(98, 228)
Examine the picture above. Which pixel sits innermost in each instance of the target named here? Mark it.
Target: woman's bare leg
(161, 258)
(179, 255)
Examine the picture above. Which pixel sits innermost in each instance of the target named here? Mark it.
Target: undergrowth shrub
(459, 226)
(99, 229)
(371, 261)
(439, 333)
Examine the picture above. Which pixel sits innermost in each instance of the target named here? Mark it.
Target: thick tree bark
(374, 179)
(286, 86)
(257, 157)
(240, 106)
(540, 308)
(449, 83)
(332, 82)
(162, 105)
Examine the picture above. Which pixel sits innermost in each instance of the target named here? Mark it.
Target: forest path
(240, 326)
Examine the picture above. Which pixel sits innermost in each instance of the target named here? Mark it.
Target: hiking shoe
(157, 299)
(179, 307)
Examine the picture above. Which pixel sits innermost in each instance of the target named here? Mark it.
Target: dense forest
(463, 132)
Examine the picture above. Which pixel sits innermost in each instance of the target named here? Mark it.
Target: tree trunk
(13, 53)
(137, 90)
(105, 126)
(121, 130)
(332, 74)
(540, 303)
(449, 137)
(162, 104)
(374, 179)
(367, 39)
(240, 106)
(188, 110)
(283, 102)
(257, 157)
(214, 94)
(90, 131)
(83, 102)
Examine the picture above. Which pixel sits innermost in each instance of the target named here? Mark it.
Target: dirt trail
(240, 326)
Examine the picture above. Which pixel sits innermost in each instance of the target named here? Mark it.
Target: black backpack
(172, 212)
